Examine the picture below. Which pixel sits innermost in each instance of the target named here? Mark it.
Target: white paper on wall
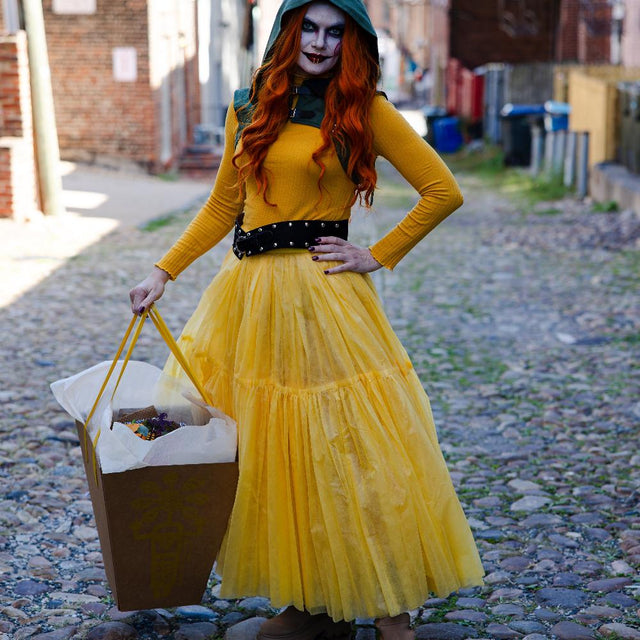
(125, 64)
(74, 7)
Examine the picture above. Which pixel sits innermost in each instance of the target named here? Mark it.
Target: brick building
(125, 83)
(524, 31)
(503, 31)
(584, 33)
(18, 185)
(125, 78)
(414, 37)
(131, 80)
(511, 31)
(18, 193)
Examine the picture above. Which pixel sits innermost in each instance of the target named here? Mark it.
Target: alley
(524, 327)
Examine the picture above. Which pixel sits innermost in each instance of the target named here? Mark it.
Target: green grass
(158, 223)
(438, 615)
(629, 338)
(487, 163)
(520, 185)
(551, 211)
(172, 176)
(515, 182)
(611, 206)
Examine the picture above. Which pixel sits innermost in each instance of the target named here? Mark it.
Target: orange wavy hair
(347, 104)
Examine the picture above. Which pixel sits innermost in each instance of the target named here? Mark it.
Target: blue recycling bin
(431, 114)
(517, 120)
(556, 116)
(447, 135)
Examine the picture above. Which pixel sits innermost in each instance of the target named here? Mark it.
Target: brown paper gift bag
(160, 527)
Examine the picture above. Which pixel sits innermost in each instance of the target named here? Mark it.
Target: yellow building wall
(592, 93)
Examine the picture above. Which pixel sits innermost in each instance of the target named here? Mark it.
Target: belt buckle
(249, 242)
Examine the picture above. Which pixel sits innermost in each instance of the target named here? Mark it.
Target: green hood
(353, 8)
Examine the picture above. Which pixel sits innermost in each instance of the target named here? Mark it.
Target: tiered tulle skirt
(344, 502)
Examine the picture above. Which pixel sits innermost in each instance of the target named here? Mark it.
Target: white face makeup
(321, 39)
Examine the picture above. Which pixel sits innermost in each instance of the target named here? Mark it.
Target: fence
(563, 154)
(479, 95)
(593, 95)
(516, 84)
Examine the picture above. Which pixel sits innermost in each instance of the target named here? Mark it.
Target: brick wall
(503, 31)
(594, 32)
(18, 195)
(584, 33)
(14, 86)
(567, 41)
(101, 118)
(97, 115)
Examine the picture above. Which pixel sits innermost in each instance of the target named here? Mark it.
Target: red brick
(96, 114)
(18, 194)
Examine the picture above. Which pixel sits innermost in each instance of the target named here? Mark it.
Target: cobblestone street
(524, 327)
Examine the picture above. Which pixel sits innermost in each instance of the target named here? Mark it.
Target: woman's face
(321, 40)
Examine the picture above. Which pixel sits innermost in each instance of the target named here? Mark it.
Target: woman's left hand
(353, 258)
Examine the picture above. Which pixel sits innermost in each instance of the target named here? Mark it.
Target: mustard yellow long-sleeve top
(293, 188)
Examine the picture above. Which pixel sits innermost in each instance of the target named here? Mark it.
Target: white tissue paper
(209, 435)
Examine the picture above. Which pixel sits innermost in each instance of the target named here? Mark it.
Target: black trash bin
(431, 114)
(517, 120)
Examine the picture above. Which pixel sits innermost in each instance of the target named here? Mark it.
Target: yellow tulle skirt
(344, 501)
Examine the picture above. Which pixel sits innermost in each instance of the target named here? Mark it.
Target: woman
(344, 506)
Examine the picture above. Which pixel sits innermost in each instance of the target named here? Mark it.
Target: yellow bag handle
(164, 331)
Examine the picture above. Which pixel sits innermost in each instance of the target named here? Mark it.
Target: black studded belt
(294, 234)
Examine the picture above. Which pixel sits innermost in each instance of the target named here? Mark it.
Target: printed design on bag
(168, 514)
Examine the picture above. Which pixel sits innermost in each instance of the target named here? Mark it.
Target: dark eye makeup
(335, 31)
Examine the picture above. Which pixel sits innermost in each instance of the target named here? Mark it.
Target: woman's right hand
(143, 295)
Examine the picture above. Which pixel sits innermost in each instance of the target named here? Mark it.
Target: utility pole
(44, 121)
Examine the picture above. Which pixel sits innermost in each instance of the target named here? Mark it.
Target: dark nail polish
(326, 272)
(140, 310)
(314, 257)
(318, 240)
(312, 248)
